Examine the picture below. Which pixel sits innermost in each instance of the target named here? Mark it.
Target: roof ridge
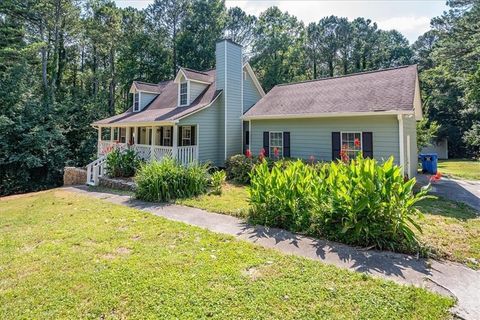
(346, 75)
(138, 81)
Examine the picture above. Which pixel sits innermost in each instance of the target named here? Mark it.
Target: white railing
(95, 170)
(186, 155)
(143, 151)
(160, 152)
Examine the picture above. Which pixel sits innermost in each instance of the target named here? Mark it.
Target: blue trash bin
(429, 162)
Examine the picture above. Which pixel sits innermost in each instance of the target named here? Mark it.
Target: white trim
(401, 143)
(176, 80)
(241, 107)
(326, 115)
(132, 124)
(270, 142)
(139, 101)
(361, 140)
(183, 135)
(409, 162)
(254, 78)
(417, 101)
(198, 81)
(250, 135)
(226, 114)
(197, 142)
(179, 102)
(134, 87)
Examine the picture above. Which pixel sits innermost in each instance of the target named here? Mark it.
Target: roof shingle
(382, 90)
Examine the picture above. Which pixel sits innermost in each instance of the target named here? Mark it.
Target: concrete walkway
(443, 277)
(464, 191)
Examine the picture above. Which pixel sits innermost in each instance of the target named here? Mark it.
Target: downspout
(226, 90)
(401, 142)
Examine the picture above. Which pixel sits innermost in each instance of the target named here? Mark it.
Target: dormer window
(183, 93)
(136, 101)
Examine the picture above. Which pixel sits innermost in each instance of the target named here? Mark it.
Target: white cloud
(411, 26)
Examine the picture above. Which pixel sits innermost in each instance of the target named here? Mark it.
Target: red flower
(261, 155)
(357, 142)
(276, 152)
(248, 153)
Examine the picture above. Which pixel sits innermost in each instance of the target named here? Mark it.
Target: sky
(411, 18)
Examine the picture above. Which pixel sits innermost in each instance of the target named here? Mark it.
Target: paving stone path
(446, 278)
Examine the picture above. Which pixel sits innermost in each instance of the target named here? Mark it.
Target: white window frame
(272, 147)
(189, 139)
(352, 153)
(165, 138)
(136, 103)
(186, 94)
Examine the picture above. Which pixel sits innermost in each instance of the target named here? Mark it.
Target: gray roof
(375, 91)
(165, 106)
(148, 87)
(203, 76)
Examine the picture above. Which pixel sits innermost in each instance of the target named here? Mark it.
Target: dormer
(143, 93)
(191, 83)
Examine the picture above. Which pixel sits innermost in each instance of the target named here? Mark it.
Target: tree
(279, 57)
(426, 133)
(165, 18)
(201, 29)
(240, 27)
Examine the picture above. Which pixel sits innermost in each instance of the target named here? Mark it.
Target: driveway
(464, 191)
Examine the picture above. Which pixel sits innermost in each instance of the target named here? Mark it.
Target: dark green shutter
(367, 144)
(336, 148)
(193, 142)
(286, 144)
(161, 136)
(180, 136)
(266, 143)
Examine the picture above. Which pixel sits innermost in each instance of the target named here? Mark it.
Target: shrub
(167, 180)
(360, 202)
(122, 163)
(238, 168)
(216, 182)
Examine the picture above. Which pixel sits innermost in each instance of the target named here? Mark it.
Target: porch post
(135, 133)
(152, 147)
(99, 140)
(175, 141)
(112, 130)
(127, 135)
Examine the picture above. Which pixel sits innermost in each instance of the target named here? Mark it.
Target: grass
(63, 255)
(233, 201)
(464, 169)
(452, 229)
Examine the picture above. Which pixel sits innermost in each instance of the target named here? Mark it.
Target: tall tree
(279, 57)
(240, 27)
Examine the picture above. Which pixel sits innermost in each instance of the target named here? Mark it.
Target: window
(183, 93)
(351, 143)
(123, 135)
(247, 137)
(276, 142)
(136, 101)
(186, 136)
(167, 136)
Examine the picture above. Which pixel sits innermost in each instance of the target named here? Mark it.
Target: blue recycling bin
(429, 162)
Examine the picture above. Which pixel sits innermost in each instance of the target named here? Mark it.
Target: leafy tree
(279, 57)
(426, 133)
(240, 27)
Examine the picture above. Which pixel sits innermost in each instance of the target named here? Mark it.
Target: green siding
(229, 73)
(411, 153)
(196, 89)
(146, 98)
(250, 93)
(313, 137)
(208, 135)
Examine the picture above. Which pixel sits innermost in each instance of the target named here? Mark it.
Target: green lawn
(451, 228)
(466, 169)
(63, 255)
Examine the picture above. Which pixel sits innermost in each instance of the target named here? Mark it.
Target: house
(212, 115)
(440, 147)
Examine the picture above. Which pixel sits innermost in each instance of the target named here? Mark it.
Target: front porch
(152, 142)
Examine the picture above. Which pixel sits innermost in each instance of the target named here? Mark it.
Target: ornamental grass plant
(359, 202)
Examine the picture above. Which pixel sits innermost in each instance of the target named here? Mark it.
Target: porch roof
(164, 107)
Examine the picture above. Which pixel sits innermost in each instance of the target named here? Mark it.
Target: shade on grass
(67, 256)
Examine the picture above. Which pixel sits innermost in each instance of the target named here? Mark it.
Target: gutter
(327, 115)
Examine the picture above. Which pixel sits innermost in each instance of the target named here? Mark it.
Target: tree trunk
(111, 104)
(43, 52)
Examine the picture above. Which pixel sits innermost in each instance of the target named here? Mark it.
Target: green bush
(361, 203)
(167, 180)
(122, 163)
(238, 168)
(216, 182)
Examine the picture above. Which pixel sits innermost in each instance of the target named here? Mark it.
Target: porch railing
(184, 155)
